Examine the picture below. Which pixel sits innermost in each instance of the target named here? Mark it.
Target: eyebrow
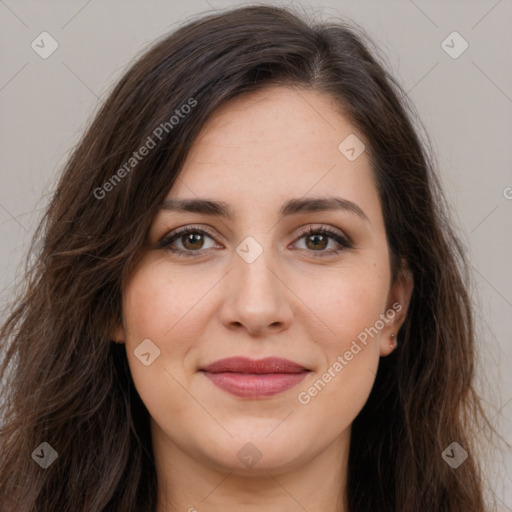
(291, 207)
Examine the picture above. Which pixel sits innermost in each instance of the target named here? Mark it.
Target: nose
(256, 297)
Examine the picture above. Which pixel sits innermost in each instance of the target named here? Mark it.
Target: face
(308, 285)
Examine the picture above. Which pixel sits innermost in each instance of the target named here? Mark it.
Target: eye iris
(319, 241)
(194, 238)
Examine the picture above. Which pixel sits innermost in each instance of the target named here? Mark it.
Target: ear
(396, 308)
(118, 336)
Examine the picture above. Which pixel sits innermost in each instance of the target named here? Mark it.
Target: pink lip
(250, 378)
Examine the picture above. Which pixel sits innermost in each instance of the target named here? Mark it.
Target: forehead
(278, 142)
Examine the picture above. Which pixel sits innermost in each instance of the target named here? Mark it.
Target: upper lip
(246, 365)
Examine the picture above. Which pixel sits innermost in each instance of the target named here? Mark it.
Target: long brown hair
(67, 384)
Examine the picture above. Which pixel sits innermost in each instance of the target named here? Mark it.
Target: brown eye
(192, 240)
(317, 241)
(187, 241)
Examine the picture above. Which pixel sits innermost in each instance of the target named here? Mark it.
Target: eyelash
(344, 242)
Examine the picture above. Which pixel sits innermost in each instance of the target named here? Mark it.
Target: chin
(253, 455)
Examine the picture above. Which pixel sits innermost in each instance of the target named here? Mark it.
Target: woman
(247, 294)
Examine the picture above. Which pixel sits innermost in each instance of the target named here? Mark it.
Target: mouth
(251, 378)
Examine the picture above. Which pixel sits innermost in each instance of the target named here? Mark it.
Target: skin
(255, 153)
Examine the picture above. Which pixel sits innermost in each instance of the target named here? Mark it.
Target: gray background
(464, 103)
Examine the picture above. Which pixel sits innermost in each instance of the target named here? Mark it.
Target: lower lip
(252, 385)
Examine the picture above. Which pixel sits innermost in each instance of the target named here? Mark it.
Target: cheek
(350, 306)
(346, 301)
(159, 303)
